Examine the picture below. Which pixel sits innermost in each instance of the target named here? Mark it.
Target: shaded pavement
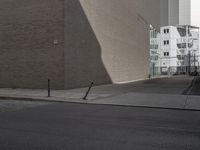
(174, 92)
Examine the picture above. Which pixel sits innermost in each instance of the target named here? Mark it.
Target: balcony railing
(181, 52)
(181, 63)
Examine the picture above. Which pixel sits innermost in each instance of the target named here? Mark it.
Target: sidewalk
(153, 100)
(162, 93)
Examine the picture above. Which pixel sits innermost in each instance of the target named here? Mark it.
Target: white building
(180, 12)
(155, 62)
(168, 36)
(179, 48)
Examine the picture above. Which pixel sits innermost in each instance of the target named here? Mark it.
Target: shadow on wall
(83, 63)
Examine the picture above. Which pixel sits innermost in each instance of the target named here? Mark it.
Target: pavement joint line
(188, 90)
(44, 99)
(186, 101)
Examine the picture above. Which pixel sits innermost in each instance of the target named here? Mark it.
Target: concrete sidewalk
(162, 93)
(153, 100)
(74, 95)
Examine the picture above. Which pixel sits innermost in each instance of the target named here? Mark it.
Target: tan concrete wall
(173, 12)
(106, 41)
(185, 12)
(164, 12)
(27, 53)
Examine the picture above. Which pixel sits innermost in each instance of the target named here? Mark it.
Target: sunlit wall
(121, 29)
(195, 13)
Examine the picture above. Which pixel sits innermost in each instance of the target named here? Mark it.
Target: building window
(166, 54)
(166, 42)
(166, 31)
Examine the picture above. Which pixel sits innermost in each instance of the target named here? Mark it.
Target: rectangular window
(166, 42)
(166, 54)
(166, 31)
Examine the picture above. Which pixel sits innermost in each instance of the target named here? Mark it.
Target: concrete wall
(108, 40)
(28, 56)
(173, 12)
(195, 13)
(164, 13)
(184, 12)
(103, 41)
(83, 63)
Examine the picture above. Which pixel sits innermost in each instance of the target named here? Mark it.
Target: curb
(51, 99)
(148, 107)
(90, 103)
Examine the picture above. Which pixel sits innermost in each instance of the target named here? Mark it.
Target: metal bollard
(88, 91)
(49, 88)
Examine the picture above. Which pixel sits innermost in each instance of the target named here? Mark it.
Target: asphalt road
(56, 126)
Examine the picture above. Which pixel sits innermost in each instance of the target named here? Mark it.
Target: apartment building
(179, 48)
(155, 59)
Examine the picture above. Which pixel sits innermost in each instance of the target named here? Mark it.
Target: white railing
(181, 52)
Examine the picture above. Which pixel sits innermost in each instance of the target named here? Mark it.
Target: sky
(195, 13)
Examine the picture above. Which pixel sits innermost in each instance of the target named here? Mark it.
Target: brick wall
(28, 56)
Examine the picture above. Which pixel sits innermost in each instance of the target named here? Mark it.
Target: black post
(49, 88)
(88, 91)
(189, 69)
(194, 61)
(153, 69)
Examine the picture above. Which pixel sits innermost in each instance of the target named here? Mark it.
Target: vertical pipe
(194, 60)
(49, 88)
(189, 63)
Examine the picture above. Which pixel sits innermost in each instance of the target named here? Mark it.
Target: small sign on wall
(55, 42)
